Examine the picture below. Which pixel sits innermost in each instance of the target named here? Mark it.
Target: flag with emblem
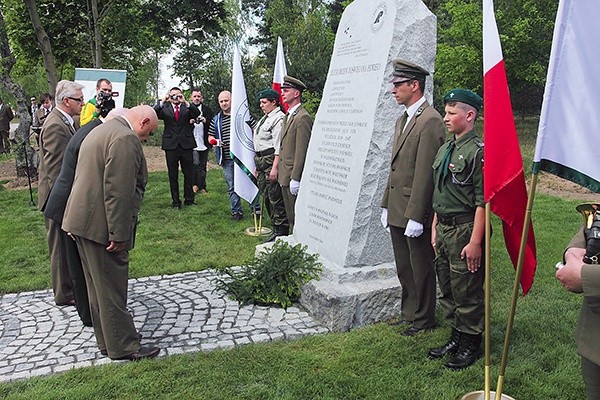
(504, 179)
(280, 71)
(568, 140)
(241, 145)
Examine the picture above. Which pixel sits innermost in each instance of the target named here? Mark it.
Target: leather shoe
(70, 303)
(176, 206)
(143, 352)
(399, 322)
(413, 330)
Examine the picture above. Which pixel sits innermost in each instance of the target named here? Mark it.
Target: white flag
(241, 146)
(568, 139)
(280, 70)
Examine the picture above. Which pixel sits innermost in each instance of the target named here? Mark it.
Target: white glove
(413, 229)
(384, 221)
(294, 187)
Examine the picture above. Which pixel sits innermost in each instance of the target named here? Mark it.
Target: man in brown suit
(6, 115)
(295, 136)
(578, 277)
(101, 215)
(56, 132)
(407, 198)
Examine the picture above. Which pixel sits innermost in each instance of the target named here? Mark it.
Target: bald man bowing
(101, 214)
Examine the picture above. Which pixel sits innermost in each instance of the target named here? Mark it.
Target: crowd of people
(93, 174)
(92, 177)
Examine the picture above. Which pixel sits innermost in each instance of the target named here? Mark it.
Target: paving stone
(180, 313)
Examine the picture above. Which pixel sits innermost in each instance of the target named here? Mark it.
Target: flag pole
(519, 272)
(487, 277)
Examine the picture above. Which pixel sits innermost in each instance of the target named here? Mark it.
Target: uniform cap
(407, 71)
(267, 93)
(464, 96)
(291, 82)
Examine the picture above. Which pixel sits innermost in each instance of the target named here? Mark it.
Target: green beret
(407, 71)
(267, 93)
(464, 96)
(291, 82)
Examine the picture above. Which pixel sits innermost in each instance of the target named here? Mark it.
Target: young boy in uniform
(459, 229)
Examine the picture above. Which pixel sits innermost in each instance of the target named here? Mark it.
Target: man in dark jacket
(178, 142)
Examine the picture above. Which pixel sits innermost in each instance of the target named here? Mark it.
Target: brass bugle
(588, 210)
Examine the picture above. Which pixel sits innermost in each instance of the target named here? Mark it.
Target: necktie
(46, 112)
(176, 112)
(404, 121)
(445, 164)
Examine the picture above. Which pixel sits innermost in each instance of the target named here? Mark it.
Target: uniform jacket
(180, 132)
(57, 201)
(109, 184)
(39, 117)
(588, 328)
(294, 137)
(409, 188)
(6, 115)
(55, 134)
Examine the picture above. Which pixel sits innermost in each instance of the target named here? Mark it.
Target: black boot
(469, 351)
(450, 347)
(277, 231)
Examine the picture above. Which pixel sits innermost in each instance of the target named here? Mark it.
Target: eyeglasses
(80, 99)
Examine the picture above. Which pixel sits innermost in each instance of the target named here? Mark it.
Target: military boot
(469, 351)
(277, 231)
(450, 347)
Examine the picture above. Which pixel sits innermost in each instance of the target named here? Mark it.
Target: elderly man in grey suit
(101, 215)
(406, 203)
(56, 132)
(55, 209)
(295, 136)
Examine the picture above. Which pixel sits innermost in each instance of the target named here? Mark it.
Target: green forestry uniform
(455, 199)
(457, 194)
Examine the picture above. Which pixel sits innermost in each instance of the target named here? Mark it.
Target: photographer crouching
(101, 104)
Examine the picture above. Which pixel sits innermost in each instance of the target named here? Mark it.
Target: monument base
(350, 297)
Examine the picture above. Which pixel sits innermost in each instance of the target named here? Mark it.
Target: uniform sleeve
(302, 139)
(276, 132)
(123, 163)
(478, 178)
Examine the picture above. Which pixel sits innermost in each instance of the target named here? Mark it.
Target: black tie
(446, 164)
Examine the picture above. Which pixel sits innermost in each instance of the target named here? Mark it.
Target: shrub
(274, 277)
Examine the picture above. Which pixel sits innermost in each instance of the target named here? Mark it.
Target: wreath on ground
(274, 277)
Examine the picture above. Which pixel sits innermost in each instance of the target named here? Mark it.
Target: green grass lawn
(373, 362)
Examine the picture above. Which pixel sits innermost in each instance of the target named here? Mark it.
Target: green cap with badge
(464, 96)
(267, 93)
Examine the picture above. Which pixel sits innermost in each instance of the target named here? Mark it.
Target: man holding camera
(101, 104)
(178, 143)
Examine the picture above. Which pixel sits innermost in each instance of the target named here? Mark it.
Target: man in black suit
(178, 142)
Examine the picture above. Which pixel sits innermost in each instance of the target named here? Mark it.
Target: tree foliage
(136, 34)
(525, 28)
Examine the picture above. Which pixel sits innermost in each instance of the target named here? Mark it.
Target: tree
(44, 45)
(24, 158)
(526, 34)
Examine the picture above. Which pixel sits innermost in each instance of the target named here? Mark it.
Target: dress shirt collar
(68, 117)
